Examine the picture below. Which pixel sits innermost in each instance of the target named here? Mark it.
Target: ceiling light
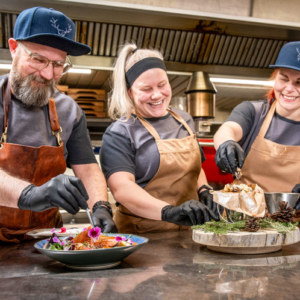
(80, 71)
(242, 81)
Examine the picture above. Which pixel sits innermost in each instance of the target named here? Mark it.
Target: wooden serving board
(262, 241)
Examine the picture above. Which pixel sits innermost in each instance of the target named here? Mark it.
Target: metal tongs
(90, 217)
(238, 174)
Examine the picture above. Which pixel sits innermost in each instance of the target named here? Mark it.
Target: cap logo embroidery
(298, 56)
(60, 31)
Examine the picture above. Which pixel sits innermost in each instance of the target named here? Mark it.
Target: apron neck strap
(152, 130)
(6, 100)
(55, 126)
(267, 121)
(53, 115)
(180, 120)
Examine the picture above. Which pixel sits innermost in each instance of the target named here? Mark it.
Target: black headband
(140, 67)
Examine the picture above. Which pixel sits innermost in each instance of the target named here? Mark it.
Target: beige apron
(274, 167)
(175, 181)
(36, 165)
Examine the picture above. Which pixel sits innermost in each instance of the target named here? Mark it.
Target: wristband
(100, 204)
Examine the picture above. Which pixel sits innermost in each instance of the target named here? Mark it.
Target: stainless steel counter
(170, 266)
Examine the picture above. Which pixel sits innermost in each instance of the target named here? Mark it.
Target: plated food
(88, 239)
(247, 227)
(106, 251)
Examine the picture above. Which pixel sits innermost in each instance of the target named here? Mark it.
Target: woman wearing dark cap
(150, 155)
(262, 137)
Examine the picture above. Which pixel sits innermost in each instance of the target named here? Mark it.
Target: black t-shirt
(127, 145)
(250, 116)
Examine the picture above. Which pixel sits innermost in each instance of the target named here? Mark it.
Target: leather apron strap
(175, 181)
(6, 99)
(37, 165)
(274, 167)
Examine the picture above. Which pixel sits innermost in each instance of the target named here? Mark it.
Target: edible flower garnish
(120, 238)
(94, 233)
(55, 239)
(63, 230)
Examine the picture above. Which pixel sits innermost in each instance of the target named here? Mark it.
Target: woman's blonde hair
(119, 102)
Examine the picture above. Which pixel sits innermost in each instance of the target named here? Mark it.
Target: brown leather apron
(274, 167)
(175, 181)
(36, 165)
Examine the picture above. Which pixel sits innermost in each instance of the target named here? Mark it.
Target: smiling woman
(150, 155)
(262, 137)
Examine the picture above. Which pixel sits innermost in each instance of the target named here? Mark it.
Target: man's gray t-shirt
(30, 126)
(128, 146)
(250, 116)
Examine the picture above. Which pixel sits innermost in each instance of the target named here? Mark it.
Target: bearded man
(42, 131)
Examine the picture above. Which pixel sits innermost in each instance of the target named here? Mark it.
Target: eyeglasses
(40, 62)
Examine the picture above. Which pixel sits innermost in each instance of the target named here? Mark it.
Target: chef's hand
(102, 217)
(206, 198)
(189, 213)
(229, 156)
(296, 189)
(67, 192)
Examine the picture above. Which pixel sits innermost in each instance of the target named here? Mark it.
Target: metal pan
(273, 200)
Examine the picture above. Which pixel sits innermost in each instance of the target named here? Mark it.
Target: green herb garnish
(222, 227)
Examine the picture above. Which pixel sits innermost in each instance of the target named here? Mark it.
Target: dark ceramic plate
(93, 259)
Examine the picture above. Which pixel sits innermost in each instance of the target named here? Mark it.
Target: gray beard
(29, 95)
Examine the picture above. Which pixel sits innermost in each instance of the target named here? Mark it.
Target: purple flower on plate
(55, 239)
(94, 232)
(120, 238)
(53, 229)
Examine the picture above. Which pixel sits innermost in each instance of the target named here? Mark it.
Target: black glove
(63, 191)
(206, 198)
(102, 217)
(189, 213)
(229, 156)
(296, 189)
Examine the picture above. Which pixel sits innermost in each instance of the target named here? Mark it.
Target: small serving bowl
(273, 200)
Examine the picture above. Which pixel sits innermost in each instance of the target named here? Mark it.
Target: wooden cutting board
(262, 241)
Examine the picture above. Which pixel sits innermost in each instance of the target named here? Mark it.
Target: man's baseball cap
(289, 56)
(49, 27)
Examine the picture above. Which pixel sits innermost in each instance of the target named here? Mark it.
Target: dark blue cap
(288, 57)
(49, 27)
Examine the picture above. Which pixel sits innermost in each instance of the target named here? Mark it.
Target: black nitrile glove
(67, 192)
(102, 217)
(229, 156)
(188, 213)
(206, 198)
(296, 189)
